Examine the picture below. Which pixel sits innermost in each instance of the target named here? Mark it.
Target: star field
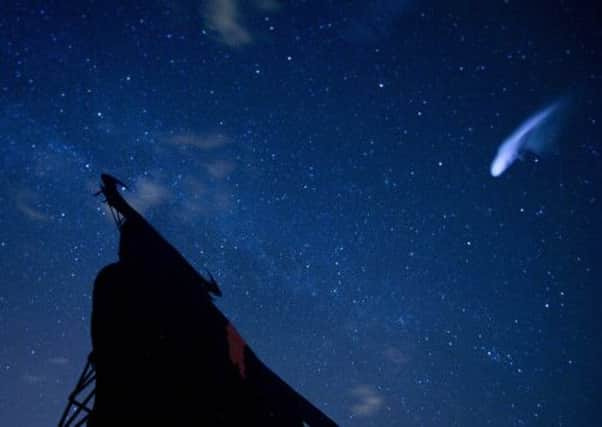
(328, 162)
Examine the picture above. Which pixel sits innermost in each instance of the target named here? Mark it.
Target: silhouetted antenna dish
(162, 353)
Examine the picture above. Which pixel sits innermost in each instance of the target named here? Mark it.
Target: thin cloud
(33, 379)
(223, 17)
(26, 201)
(367, 401)
(267, 5)
(220, 169)
(208, 201)
(209, 141)
(148, 194)
(59, 360)
(396, 356)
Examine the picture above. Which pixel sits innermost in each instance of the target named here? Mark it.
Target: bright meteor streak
(527, 137)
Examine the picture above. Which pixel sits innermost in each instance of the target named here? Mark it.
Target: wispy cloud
(267, 5)
(396, 356)
(58, 360)
(26, 201)
(204, 198)
(148, 194)
(223, 17)
(367, 401)
(33, 379)
(220, 169)
(207, 141)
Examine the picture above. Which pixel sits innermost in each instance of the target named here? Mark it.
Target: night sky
(328, 162)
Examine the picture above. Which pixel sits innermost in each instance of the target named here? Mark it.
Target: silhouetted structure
(163, 354)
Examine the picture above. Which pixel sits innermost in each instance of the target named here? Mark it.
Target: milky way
(324, 160)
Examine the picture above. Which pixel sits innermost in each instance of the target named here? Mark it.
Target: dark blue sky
(328, 161)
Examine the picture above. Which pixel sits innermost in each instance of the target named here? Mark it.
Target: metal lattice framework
(81, 399)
